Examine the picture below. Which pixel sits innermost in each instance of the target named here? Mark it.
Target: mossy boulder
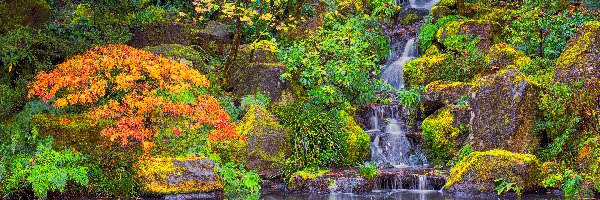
(447, 3)
(17, 13)
(475, 176)
(266, 144)
(438, 94)
(257, 70)
(438, 12)
(439, 136)
(501, 55)
(439, 67)
(579, 66)
(184, 54)
(160, 176)
(503, 112)
(487, 31)
(324, 182)
(358, 143)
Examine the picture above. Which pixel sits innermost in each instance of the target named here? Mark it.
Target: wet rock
(257, 71)
(190, 175)
(487, 31)
(476, 175)
(325, 182)
(410, 179)
(439, 94)
(266, 142)
(503, 113)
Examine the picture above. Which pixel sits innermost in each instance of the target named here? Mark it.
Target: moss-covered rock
(501, 55)
(476, 175)
(76, 131)
(257, 70)
(438, 12)
(504, 110)
(440, 67)
(325, 182)
(266, 144)
(358, 143)
(410, 19)
(579, 65)
(16, 13)
(447, 3)
(439, 136)
(184, 54)
(486, 31)
(160, 176)
(438, 94)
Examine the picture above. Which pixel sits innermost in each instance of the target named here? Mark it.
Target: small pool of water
(384, 195)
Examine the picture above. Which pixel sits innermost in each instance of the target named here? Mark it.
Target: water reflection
(385, 195)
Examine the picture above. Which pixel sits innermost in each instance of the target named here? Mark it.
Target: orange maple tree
(140, 91)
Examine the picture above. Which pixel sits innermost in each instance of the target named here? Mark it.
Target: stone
(501, 56)
(267, 142)
(438, 94)
(157, 34)
(504, 109)
(326, 182)
(189, 175)
(17, 13)
(476, 175)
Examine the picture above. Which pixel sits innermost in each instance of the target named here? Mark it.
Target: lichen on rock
(160, 176)
(476, 175)
(504, 110)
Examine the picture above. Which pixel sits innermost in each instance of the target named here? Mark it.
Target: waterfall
(423, 182)
(391, 144)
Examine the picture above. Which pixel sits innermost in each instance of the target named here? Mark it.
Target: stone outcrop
(190, 175)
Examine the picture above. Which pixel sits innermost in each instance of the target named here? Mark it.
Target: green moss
(438, 12)
(438, 135)
(358, 142)
(17, 13)
(410, 19)
(310, 173)
(573, 53)
(71, 130)
(490, 165)
(267, 142)
(502, 55)
(447, 3)
(184, 54)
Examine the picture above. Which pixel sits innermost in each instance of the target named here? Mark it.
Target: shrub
(368, 171)
(237, 182)
(317, 136)
(45, 171)
(10, 99)
(337, 65)
(429, 30)
(143, 94)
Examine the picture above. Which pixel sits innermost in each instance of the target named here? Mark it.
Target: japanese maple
(141, 92)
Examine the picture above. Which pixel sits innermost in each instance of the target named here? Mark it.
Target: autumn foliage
(141, 92)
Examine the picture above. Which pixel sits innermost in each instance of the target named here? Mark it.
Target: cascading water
(392, 144)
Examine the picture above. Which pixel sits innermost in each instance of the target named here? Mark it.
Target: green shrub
(428, 30)
(45, 171)
(317, 136)
(237, 182)
(337, 65)
(368, 171)
(10, 99)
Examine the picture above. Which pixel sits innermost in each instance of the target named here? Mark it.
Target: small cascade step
(410, 179)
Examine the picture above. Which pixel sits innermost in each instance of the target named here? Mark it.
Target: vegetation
(107, 99)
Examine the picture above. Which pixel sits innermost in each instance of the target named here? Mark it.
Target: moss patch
(502, 55)
(358, 144)
(438, 135)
